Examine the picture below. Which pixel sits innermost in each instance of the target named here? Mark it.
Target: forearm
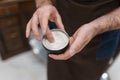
(110, 21)
(39, 3)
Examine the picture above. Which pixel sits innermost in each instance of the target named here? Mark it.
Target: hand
(42, 15)
(77, 42)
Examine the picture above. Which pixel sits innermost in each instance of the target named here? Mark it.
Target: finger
(45, 29)
(75, 34)
(28, 28)
(43, 23)
(49, 35)
(78, 44)
(34, 24)
(71, 40)
(59, 22)
(64, 56)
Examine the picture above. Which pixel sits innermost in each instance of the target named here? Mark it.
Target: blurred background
(26, 59)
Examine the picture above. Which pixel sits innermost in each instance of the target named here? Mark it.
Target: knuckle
(27, 31)
(58, 16)
(34, 15)
(38, 10)
(27, 25)
(77, 47)
(46, 15)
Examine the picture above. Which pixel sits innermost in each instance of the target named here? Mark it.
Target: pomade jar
(60, 44)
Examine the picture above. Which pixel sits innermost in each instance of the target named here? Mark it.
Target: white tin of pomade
(60, 44)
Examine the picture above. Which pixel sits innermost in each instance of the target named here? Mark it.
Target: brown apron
(82, 66)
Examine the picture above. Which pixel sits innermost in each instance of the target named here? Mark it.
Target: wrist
(95, 28)
(101, 25)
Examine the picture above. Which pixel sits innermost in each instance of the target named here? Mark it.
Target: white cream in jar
(61, 41)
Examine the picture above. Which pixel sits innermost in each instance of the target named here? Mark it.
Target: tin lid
(61, 40)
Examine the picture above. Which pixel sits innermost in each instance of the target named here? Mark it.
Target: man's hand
(85, 33)
(41, 16)
(77, 42)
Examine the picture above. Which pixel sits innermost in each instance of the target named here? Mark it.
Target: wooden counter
(14, 15)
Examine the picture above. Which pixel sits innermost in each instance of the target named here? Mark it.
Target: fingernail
(50, 55)
(50, 38)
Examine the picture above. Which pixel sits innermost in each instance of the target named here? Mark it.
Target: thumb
(78, 43)
(75, 46)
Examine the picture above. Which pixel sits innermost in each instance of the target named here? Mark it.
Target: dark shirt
(78, 12)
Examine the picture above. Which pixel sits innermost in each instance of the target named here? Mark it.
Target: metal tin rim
(61, 48)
